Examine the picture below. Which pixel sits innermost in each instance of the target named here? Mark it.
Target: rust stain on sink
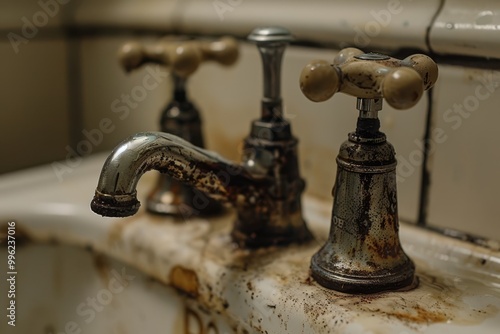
(184, 280)
(439, 298)
(435, 300)
(421, 315)
(273, 284)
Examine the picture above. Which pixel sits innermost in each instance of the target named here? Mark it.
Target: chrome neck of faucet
(271, 43)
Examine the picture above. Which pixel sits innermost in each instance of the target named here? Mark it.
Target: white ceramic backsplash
(463, 168)
(467, 28)
(465, 162)
(128, 14)
(387, 24)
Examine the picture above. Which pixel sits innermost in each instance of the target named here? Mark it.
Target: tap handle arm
(371, 76)
(182, 56)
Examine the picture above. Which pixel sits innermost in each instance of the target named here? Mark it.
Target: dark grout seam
(425, 181)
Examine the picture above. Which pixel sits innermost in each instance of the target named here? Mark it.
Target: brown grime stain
(102, 266)
(20, 234)
(420, 316)
(184, 280)
(212, 328)
(192, 319)
(309, 280)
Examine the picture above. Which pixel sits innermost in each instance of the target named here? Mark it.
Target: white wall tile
(466, 163)
(465, 27)
(376, 23)
(160, 15)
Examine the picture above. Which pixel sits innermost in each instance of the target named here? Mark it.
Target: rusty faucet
(363, 253)
(181, 117)
(265, 188)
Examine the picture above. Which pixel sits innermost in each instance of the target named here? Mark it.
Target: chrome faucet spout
(208, 172)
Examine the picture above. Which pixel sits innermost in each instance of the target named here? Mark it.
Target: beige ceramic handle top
(182, 56)
(370, 75)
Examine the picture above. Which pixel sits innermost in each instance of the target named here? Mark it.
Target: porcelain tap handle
(183, 56)
(370, 76)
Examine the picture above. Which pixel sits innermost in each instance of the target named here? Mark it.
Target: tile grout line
(425, 182)
(426, 177)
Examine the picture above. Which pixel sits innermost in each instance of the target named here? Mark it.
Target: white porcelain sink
(185, 277)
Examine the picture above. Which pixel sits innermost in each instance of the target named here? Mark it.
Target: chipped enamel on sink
(188, 278)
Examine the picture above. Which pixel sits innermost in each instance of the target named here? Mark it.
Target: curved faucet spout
(208, 172)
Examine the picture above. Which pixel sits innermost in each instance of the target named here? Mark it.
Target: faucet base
(399, 278)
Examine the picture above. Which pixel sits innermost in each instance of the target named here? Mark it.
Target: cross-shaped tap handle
(183, 56)
(370, 76)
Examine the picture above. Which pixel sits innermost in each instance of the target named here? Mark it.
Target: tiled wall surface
(34, 102)
(464, 159)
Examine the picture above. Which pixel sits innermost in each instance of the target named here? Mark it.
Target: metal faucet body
(169, 196)
(265, 188)
(265, 192)
(363, 253)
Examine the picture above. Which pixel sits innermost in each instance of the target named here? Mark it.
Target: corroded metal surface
(363, 253)
(267, 199)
